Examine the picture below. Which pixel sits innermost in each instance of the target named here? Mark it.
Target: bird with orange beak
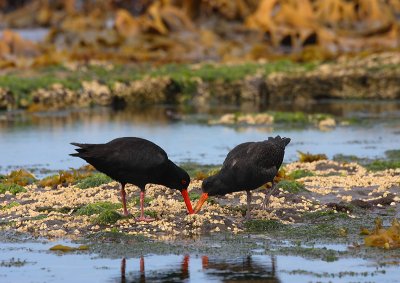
(248, 166)
(139, 162)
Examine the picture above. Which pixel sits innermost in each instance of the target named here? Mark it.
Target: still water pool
(38, 264)
(42, 139)
(33, 262)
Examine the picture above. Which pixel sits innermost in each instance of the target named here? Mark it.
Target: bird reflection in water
(243, 269)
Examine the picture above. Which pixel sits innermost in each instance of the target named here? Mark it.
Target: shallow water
(42, 265)
(42, 139)
(32, 34)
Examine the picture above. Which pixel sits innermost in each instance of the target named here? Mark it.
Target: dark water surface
(42, 139)
(33, 262)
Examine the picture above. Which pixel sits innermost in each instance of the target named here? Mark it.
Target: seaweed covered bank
(261, 83)
(311, 193)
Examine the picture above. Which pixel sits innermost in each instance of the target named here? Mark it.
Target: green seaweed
(293, 187)
(379, 165)
(325, 215)
(199, 171)
(10, 205)
(346, 158)
(297, 174)
(11, 188)
(136, 200)
(393, 154)
(94, 180)
(290, 117)
(39, 217)
(185, 76)
(107, 217)
(151, 213)
(194, 196)
(97, 208)
(260, 225)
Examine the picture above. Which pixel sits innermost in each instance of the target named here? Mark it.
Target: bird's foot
(126, 213)
(145, 219)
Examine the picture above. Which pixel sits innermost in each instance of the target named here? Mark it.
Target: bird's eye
(183, 182)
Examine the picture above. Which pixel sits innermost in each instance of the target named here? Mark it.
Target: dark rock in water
(362, 204)
(340, 207)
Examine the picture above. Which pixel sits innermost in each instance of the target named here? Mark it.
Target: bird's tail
(82, 148)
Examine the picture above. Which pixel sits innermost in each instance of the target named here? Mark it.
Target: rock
(227, 119)
(327, 124)
(7, 100)
(55, 97)
(97, 93)
(147, 90)
(263, 118)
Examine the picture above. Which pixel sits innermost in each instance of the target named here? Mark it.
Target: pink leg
(142, 264)
(142, 218)
(142, 274)
(123, 196)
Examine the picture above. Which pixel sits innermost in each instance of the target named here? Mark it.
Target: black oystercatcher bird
(136, 161)
(246, 167)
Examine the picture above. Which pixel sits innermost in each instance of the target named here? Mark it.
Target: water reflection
(178, 131)
(166, 114)
(243, 269)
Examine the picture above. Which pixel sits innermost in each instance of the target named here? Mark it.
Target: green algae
(293, 187)
(260, 225)
(379, 165)
(290, 117)
(393, 154)
(136, 200)
(194, 196)
(11, 188)
(107, 217)
(185, 77)
(297, 174)
(151, 213)
(199, 171)
(97, 208)
(94, 180)
(346, 158)
(10, 205)
(325, 215)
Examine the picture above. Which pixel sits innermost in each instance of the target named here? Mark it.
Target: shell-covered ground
(317, 189)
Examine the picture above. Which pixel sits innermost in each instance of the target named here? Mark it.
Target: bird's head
(211, 186)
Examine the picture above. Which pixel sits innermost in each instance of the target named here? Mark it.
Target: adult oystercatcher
(246, 167)
(136, 161)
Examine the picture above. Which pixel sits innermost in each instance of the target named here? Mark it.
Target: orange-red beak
(201, 201)
(186, 198)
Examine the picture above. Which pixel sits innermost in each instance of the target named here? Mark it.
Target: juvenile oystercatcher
(246, 167)
(136, 161)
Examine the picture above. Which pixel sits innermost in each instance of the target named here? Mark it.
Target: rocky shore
(313, 194)
(371, 77)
